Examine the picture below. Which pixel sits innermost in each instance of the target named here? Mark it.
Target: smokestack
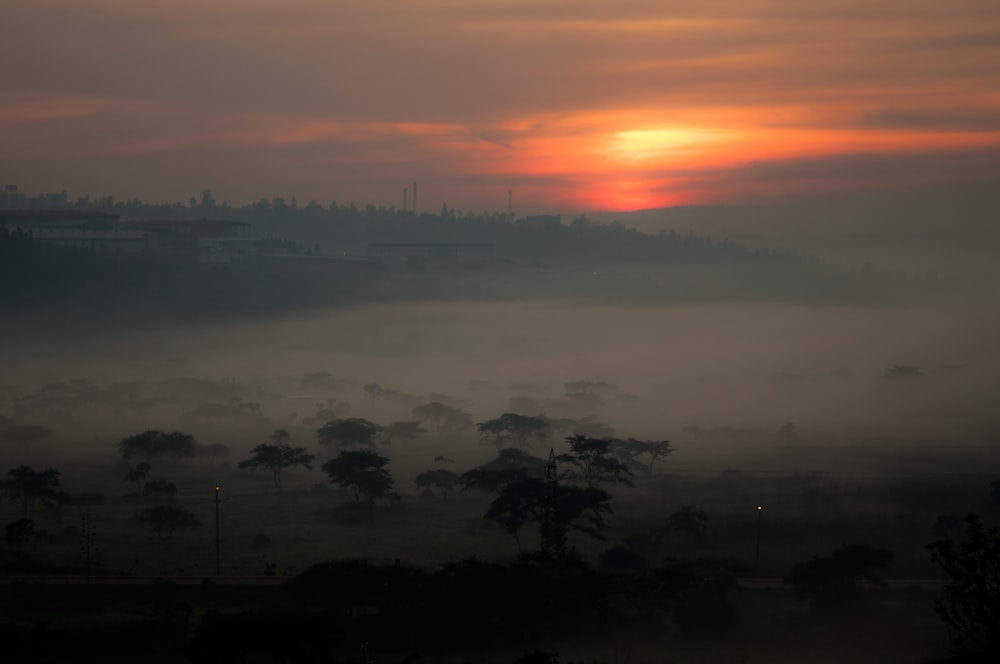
(510, 196)
(405, 192)
(414, 197)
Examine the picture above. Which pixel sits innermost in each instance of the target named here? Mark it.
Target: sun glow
(647, 144)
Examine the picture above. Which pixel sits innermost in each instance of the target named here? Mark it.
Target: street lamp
(760, 512)
(217, 488)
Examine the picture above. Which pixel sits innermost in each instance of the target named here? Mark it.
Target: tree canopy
(138, 474)
(29, 486)
(403, 430)
(629, 450)
(165, 520)
(971, 599)
(352, 432)
(509, 465)
(151, 444)
(440, 478)
(442, 417)
(526, 499)
(591, 462)
(277, 457)
(513, 429)
(361, 471)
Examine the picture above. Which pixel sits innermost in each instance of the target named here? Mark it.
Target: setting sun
(665, 144)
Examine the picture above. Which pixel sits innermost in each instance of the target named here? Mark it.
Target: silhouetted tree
(971, 601)
(629, 450)
(149, 445)
(165, 520)
(592, 463)
(510, 464)
(361, 471)
(18, 532)
(349, 433)
(277, 457)
(441, 479)
(524, 500)
(592, 428)
(442, 417)
(521, 430)
(687, 522)
(138, 474)
(404, 430)
(29, 486)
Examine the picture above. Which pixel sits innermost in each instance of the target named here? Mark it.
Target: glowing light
(643, 144)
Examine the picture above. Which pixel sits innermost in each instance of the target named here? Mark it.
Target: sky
(581, 105)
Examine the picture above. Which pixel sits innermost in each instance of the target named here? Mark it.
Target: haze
(575, 106)
(402, 297)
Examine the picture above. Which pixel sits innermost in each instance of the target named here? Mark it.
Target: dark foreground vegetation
(84, 581)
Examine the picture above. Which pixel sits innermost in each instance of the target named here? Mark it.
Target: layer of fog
(947, 231)
(719, 381)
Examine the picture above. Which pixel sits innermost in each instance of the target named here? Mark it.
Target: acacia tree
(18, 532)
(629, 450)
(277, 457)
(165, 520)
(442, 479)
(521, 430)
(138, 474)
(971, 601)
(687, 522)
(348, 433)
(442, 417)
(510, 464)
(404, 430)
(154, 443)
(29, 487)
(592, 462)
(361, 471)
(527, 499)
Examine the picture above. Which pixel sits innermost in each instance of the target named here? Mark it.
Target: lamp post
(760, 512)
(217, 488)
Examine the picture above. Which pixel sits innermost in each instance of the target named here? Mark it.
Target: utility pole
(553, 537)
(217, 488)
(87, 539)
